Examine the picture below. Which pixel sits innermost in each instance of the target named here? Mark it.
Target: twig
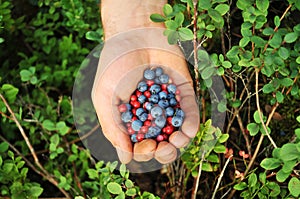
(36, 160)
(221, 176)
(195, 43)
(196, 182)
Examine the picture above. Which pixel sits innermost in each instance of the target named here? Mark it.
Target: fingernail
(124, 156)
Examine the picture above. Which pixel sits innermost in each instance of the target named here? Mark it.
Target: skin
(118, 74)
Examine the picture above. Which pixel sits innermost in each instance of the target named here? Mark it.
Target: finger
(144, 151)
(179, 139)
(165, 153)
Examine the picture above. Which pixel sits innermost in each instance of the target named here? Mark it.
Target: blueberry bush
(251, 46)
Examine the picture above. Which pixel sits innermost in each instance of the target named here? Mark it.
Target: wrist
(122, 15)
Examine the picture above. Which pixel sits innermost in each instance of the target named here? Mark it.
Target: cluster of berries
(153, 110)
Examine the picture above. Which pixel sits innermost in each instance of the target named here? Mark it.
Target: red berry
(150, 82)
(165, 136)
(150, 117)
(164, 130)
(147, 123)
(134, 118)
(140, 137)
(122, 108)
(169, 129)
(177, 92)
(136, 104)
(130, 131)
(147, 94)
(160, 138)
(133, 111)
(138, 93)
(144, 129)
(164, 87)
(169, 120)
(178, 98)
(128, 124)
(133, 98)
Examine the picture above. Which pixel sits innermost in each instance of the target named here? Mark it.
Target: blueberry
(173, 102)
(142, 86)
(169, 111)
(163, 103)
(139, 111)
(133, 138)
(162, 95)
(128, 106)
(154, 89)
(153, 132)
(177, 121)
(158, 71)
(156, 112)
(164, 78)
(149, 74)
(136, 125)
(160, 121)
(157, 81)
(171, 88)
(170, 96)
(126, 116)
(154, 99)
(142, 99)
(149, 106)
(179, 112)
(143, 117)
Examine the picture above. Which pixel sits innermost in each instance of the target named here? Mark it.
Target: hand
(123, 59)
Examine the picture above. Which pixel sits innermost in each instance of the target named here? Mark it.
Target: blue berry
(149, 106)
(142, 99)
(156, 112)
(149, 74)
(139, 111)
(169, 111)
(163, 103)
(160, 121)
(128, 106)
(158, 71)
(177, 121)
(179, 112)
(164, 78)
(143, 117)
(126, 116)
(133, 138)
(142, 86)
(154, 99)
(156, 80)
(153, 132)
(136, 125)
(170, 96)
(162, 95)
(173, 102)
(154, 89)
(171, 88)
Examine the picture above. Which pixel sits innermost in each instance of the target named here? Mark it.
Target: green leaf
(35, 191)
(205, 4)
(289, 152)
(256, 117)
(206, 166)
(4, 147)
(207, 72)
(213, 158)
(294, 186)
(253, 128)
(223, 138)
(129, 183)
(10, 92)
(49, 125)
(226, 64)
(270, 163)
(252, 180)
(179, 18)
(122, 170)
(172, 36)
(262, 177)
(185, 34)
(277, 21)
(290, 37)
(281, 176)
(25, 75)
(268, 31)
(286, 82)
(157, 18)
(268, 88)
(279, 97)
(215, 15)
(93, 36)
(167, 9)
(219, 149)
(222, 8)
(244, 41)
(289, 165)
(241, 186)
(259, 42)
(114, 188)
(283, 53)
(1, 40)
(171, 25)
(131, 192)
(262, 5)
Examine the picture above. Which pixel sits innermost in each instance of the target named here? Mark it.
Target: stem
(196, 181)
(36, 160)
(221, 176)
(195, 44)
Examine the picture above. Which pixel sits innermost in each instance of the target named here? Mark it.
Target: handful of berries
(153, 110)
